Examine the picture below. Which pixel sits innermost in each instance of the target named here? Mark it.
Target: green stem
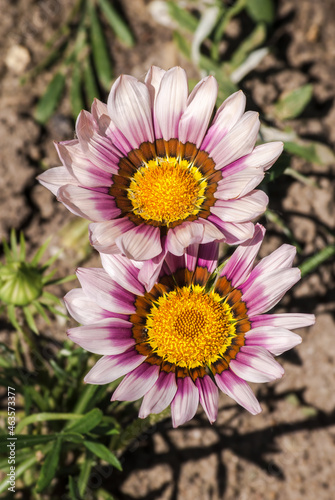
(313, 262)
(43, 417)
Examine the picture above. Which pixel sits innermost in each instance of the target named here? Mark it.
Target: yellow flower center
(190, 327)
(167, 190)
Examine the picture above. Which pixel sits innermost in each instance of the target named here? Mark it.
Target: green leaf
(25, 441)
(87, 422)
(182, 17)
(261, 10)
(76, 98)
(22, 247)
(254, 40)
(40, 252)
(49, 467)
(50, 100)
(90, 86)
(101, 451)
(291, 104)
(72, 489)
(306, 151)
(316, 260)
(84, 475)
(30, 319)
(182, 44)
(20, 469)
(116, 22)
(99, 49)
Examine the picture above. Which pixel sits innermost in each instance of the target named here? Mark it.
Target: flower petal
(109, 336)
(265, 291)
(284, 320)
(110, 368)
(239, 390)
(181, 236)
(83, 309)
(281, 258)
(137, 383)
(233, 234)
(122, 270)
(242, 209)
(185, 402)
(129, 106)
(140, 243)
(239, 141)
(100, 287)
(194, 122)
(56, 177)
(274, 339)
(88, 203)
(153, 80)
(256, 364)
(209, 397)
(103, 235)
(240, 263)
(226, 117)
(170, 103)
(160, 395)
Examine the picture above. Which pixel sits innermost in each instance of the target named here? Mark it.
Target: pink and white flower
(195, 333)
(155, 174)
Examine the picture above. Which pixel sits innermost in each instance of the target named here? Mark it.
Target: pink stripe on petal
(233, 234)
(92, 205)
(136, 383)
(264, 292)
(109, 336)
(239, 141)
(83, 309)
(226, 117)
(129, 106)
(123, 271)
(242, 209)
(240, 263)
(100, 287)
(200, 104)
(185, 403)
(256, 364)
(110, 368)
(209, 397)
(284, 320)
(103, 235)
(159, 396)
(56, 177)
(274, 339)
(208, 255)
(262, 157)
(140, 243)
(170, 103)
(239, 390)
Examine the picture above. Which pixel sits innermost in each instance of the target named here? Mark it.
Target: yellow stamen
(190, 327)
(167, 190)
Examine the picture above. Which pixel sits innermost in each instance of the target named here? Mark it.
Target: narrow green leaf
(30, 319)
(49, 467)
(40, 252)
(90, 86)
(87, 422)
(84, 475)
(20, 469)
(254, 40)
(291, 104)
(45, 417)
(184, 18)
(261, 10)
(12, 317)
(13, 244)
(316, 260)
(7, 251)
(76, 98)
(103, 452)
(72, 489)
(182, 44)
(116, 22)
(275, 219)
(25, 441)
(306, 151)
(22, 248)
(99, 49)
(50, 100)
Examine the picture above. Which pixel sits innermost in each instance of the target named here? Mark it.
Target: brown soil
(287, 452)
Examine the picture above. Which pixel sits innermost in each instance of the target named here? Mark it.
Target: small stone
(17, 58)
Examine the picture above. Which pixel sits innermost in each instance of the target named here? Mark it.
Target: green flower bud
(20, 283)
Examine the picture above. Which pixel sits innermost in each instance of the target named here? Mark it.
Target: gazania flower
(154, 174)
(192, 334)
